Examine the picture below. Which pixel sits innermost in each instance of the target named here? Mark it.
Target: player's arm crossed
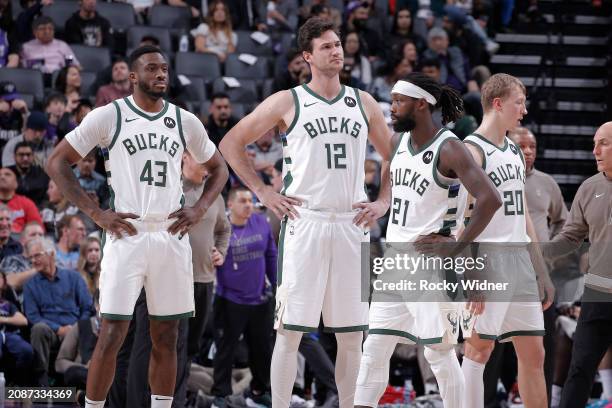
(276, 110)
(59, 170)
(380, 136)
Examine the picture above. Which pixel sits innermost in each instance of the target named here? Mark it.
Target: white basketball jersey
(324, 150)
(423, 201)
(143, 161)
(505, 167)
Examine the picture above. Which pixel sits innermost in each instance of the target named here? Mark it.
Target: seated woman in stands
(215, 34)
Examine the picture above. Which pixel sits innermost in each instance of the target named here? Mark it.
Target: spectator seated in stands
(280, 16)
(220, 120)
(452, 63)
(13, 112)
(57, 208)
(353, 56)
(12, 345)
(215, 34)
(296, 74)
(268, 150)
(82, 109)
(402, 30)
(92, 182)
(68, 83)
(23, 210)
(73, 356)
(320, 8)
(9, 51)
(31, 10)
(17, 266)
(34, 135)
(8, 246)
(71, 233)
(31, 178)
(88, 266)
(45, 52)
(54, 300)
(119, 87)
(60, 122)
(358, 13)
(394, 70)
(89, 28)
(141, 8)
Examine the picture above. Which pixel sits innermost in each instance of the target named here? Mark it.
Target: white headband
(410, 89)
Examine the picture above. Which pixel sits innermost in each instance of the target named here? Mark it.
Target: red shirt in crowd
(23, 210)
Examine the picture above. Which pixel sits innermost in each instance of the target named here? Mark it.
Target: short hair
(313, 28)
(42, 20)
(519, 131)
(84, 102)
(436, 32)
(22, 144)
(430, 62)
(55, 96)
(218, 95)
(118, 60)
(150, 38)
(140, 51)
(28, 225)
(234, 191)
(47, 245)
(65, 222)
(499, 86)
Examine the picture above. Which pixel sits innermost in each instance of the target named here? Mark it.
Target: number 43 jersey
(143, 153)
(423, 201)
(324, 150)
(505, 167)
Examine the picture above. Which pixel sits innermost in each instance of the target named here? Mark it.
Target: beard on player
(150, 91)
(403, 124)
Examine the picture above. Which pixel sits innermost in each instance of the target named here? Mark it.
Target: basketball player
(327, 126)
(503, 100)
(143, 138)
(426, 212)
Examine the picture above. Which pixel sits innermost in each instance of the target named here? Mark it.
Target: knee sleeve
(445, 366)
(374, 370)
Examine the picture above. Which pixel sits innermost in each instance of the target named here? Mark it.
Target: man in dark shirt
(54, 300)
(87, 27)
(296, 74)
(220, 120)
(32, 179)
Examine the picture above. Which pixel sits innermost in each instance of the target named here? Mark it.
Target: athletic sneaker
(258, 401)
(219, 402)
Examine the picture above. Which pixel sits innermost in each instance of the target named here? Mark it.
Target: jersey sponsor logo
(490, 153)
(507, 172)
(514, 149)
(332, 124)
(143, 141)
(309, 104)
(408, 178)
(428, 157)
(350, 102)
(169, 122)
(130, 120)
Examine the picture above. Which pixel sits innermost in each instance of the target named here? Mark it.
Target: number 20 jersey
(324, 150)
(423, 201)
(505, 167)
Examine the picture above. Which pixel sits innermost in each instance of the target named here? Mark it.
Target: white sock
(94, 404)
(374, 369)
(474, 385)
(605, 376)
(555, 396)
(284, 366)
(348, 359)
(445, 366)
(161, 401)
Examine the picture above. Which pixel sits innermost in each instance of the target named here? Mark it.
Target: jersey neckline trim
(484, 139)
(414, 152)
(144, 115)
(327, 101)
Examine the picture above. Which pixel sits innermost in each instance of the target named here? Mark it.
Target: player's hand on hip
(186, 218)
(547, 293)
(435, 245)
(280, 205)
(369, 212)
(116, 222)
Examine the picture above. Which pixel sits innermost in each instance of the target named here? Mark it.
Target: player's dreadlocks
(448, 100)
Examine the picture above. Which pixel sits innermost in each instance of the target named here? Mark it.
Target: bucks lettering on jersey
(423, 201)
(143, 161)
(324, 150)
(505, 167)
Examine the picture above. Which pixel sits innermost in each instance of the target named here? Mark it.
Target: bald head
(602, 149)
(526, 141)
